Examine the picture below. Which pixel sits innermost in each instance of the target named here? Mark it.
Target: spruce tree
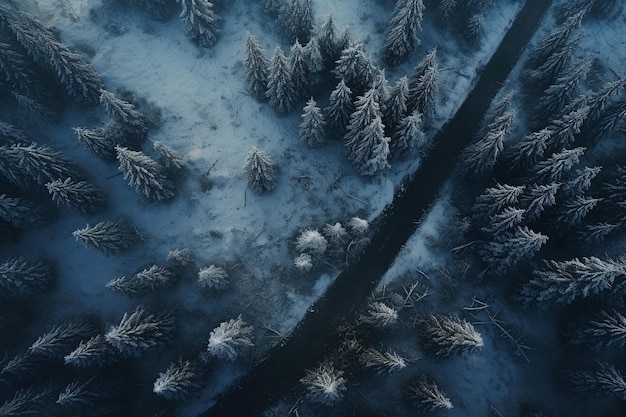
(446, 8)
(528, 151)
(506, 220)
(312, 125)
(429, 61)
(481, 156)
(17, 71)
(78, 195)
(355, 68)
(124, 115)
(556, 40)
(260, 170)
(565, 128)
(230, 339)
(257, 67)
(596, 232)
(299, 69)
(147, 281)
(536, 199)
(602, 331)
(91, 352)
(339, 109)
(581, 181)
(429, 396)
(505, 251)
(450, 335)
(108, 237)
(328, 42)
(169, 159)
(60, 339)
(606, 382)
(408, 135)
(21, 212)
(379, 315)
(325, 384)
(298, 20)
(22, 278)
(314, 62)
(178, 381)
(423, 90)
(552, 169)
(10, 134)
(495, 199)
(572, 212)
(611, 120)
(101, 141)
(395, 108)
(201, 22)
(382, 362)
(44, 164)
(144, 175)
(12, 170)
(403, 28)
(281, 90)
(213, 278)
(547, 71)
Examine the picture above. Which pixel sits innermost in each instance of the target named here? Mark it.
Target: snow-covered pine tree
(28, 402)
(144, 175)
(230, 339)
(450, 335)
(78, 77)
(356, 69)
(574, 7)
(602, 331)
(581, 181)
(408, 136)
(78, 195)
(548, 70)
(446, 8)
(339, 109)
(312, 125)
(303, 262)
(108, 237)
(536, 198)
(563, 282)
(21, 212)
(314, 62)
(260, 170)
(495, 199)
(91, 352)
(325, 384)
(22, 278)
(213, 278)
(101, 141)
(169, 159)
(297, 20)
(404, 25)
(596, 100)
(149, 280)
(379, 315)
(395, 107)
(281, 90)
(17, 71)
(481, 156)
(564, 128)
(606, 382)
(181, 257)
(572, 212)
(422, 92)
(12, 171)
(10, 134)
(257, 67)
(528, 151)
(83, 394)
(201, 22)
(22, 366)
(474, 27)
(140, 331)
(504, 252)
(44, 164)
(429, 61)
(178, 381)
(35, 106)
(506, 220)
(555, 41)
(123, 115)
(311, 241)
(60, 339)
(596, 232)
(611, 120)
(299, 69)
(428, 395)
(556, 166)
(328, 42)
(382, 362)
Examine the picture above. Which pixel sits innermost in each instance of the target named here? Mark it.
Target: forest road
(317, 333)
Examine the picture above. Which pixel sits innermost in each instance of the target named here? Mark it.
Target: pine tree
(140, 331)
(109, 237)
(169, 159)
(78, 77)
(495, 199)
(149, 280)
(78, 195)
(355, 68)
(22, 278)
(24, 365)
(312, 125)
(300, 76)
(201, 22)
(429, 61)
(27, 402)
(381, 361)
(124, 116)
(298, 20)
(178, 381)
(144, 174)
(528, 151)
(314, 62)
(563, 282)
(17, 72)
(506, 220)
(403, 28)
(610, 121)
(606, 382)
(324, 384)
(335, 233)
(280, 87)
(181, 257)
(339, 109)
(574, 7)
(395, 107)
(229, 339)
(602, 331)
(101, 141)
(562, 92)
(429, 396)
(573, 211)
(548, 70)
(257, 67)
(552, 169)
(422, 92)
(536, 198)
(597, 100)
(447, 7)
(596, 232)
(12, 170)
(213, 278)
(44, 164)
(564, 129)
(556, 40)
(92, 352)
(21, 213)
(84, 394)
(481, 156)
(328, 42)
(10, 134)
(409, 134)
(379, 315)
(60, 339)
(504, 252)
(260, 170)
(450, 335)
(303, 262)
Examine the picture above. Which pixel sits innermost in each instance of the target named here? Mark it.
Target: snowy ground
(209, 117)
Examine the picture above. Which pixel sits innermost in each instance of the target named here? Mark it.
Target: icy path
(269, 380)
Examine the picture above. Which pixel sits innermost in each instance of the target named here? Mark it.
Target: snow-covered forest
(181, 180)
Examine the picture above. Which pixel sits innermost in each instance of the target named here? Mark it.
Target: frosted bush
(213, 278)
(325, 384)
(311, 240)
(303, 262)
(228, 339)
(358, 226)
(180, 257)
(335, 232)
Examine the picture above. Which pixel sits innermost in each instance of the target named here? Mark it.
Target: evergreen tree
(44, 164)
(495, 199)
(92, 352)
(101, 141)
(606, 382)
(379, 315)
(169, 159)
(21, 366)
(581, 181)
(563, 282)
(339, 109)
(422, 92)
(22, 278)
(260, 170)
(230, 338)
(85, 393)
(312, 125)
(213, 278)
(21, 213)
(140, 331)
(60, 339)
(328, 42)
(450, 335)
(152, 279)
(403, 28)
(556, 40)
(78, 77)
(324, 384)
(280, 87)
(596, 232)
(314, 62)
(124, 116)
(311, 241)
(573, 8)
(447, 7)
(79, 195)
(298, 20)
(429, 396)
(429, 61)
(552, 169)
(395, 107)
(381, 361)
(299, 69)
(528, 151)
(10, 134)
(109, 237)
(481, 156)
(504, 252)
(409, 134)
(355, 68)
(602, 331)
(178, 381)
(573, 211)
(597, 101)
(201, 22)
(12, 170)
(506, 220)
(536, 198)
(27, 402)
(548, 70)
(17, 71)
(144, 174)
(565, 128)
(610, 121)
(257, 67)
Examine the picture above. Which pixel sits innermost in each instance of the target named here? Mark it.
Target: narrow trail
(316, 334)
